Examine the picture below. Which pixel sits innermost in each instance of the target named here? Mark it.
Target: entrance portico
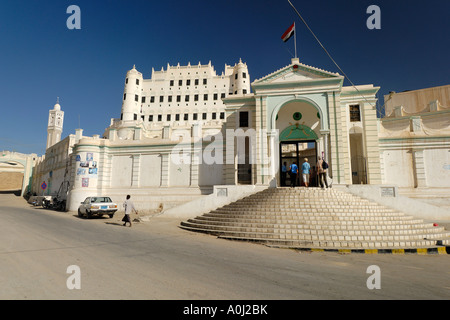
(302, 104)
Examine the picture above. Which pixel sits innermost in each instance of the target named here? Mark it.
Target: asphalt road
(158, 260)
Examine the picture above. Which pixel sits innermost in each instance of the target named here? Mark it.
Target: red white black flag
(289, 33)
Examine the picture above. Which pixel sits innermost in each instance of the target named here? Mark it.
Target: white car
(97, 206)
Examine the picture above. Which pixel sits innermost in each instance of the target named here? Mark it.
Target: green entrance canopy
(298, 132)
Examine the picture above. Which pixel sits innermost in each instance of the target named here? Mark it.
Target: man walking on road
(129, 207)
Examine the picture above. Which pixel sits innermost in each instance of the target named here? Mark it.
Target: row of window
(197, 81)
(186, 98)
(243, 117)
(188, 81)
(195, 117)
(179, 97)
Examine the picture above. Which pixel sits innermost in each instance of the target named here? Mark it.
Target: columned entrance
(300, 111)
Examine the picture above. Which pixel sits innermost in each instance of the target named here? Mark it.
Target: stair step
(324, 235)
(323, 228)
(348, 244)
(317, 218)
(312, 218)
(306, 213)
(305, 209)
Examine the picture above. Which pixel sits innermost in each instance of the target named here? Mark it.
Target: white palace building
(188, 132)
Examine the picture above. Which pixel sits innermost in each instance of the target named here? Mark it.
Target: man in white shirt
(129, 207)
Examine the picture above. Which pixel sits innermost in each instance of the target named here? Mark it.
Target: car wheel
(111, 215)
(80, 214)
(89, 214)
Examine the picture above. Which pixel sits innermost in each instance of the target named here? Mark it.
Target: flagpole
(295, 31)
(295, 40)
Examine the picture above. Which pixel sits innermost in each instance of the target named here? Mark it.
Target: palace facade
(187, 130)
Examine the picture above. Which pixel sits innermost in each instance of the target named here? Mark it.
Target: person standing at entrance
(129, 207)
(283, 174)
(293, 173)
(306, 168)
(322, 167)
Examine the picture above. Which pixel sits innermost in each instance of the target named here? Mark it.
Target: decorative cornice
(299, 84)
(282, 71)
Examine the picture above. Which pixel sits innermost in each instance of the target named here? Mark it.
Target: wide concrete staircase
(317, 219)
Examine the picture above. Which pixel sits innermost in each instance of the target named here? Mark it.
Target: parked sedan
(97, 206)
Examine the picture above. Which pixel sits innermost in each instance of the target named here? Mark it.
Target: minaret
(55, 125)
(240, 79)
(132, 95)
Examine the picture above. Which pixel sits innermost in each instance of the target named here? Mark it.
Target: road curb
(419, 251)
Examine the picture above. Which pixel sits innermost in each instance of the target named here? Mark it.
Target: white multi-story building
(181, 95)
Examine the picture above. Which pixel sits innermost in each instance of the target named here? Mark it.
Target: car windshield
(100, 199)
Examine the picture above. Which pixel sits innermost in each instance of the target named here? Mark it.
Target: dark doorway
(296, 151)
(359, 170)
(244, 174)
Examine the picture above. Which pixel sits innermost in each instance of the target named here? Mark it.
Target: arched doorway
(299, 125)
(296, 144)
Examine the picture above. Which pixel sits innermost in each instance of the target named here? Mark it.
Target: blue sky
(42, 59)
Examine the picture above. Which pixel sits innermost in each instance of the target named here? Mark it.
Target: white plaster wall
(437, 167)
(179, 174)
(409, 206)
(398, 168)
(150, 175)
(56, 180)
(210, 174)
(221, 196)
(122, 168)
